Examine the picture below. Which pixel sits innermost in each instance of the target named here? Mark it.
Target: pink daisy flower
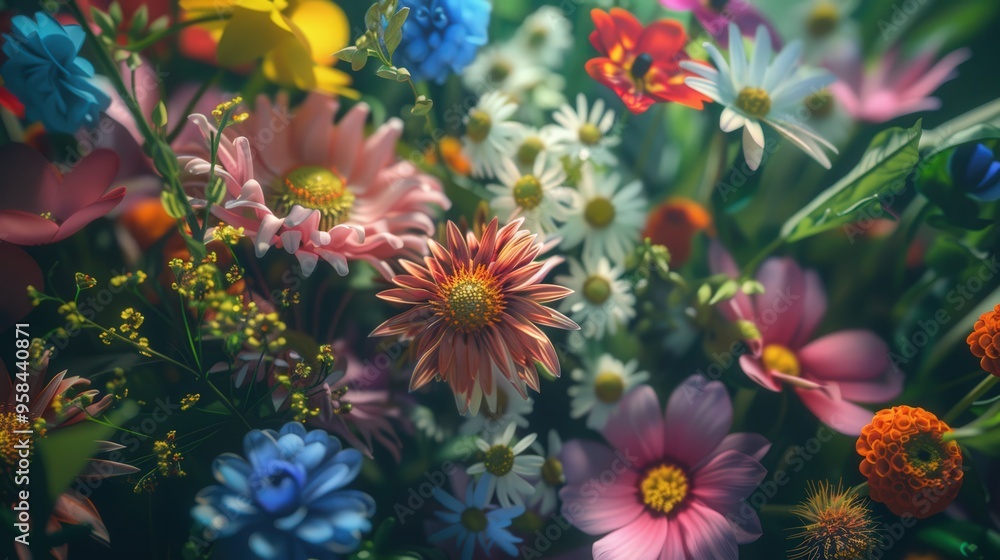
(39, 206)
(475, 305)
(716, 15)
(893, 87)
(319, 189)
(830, 373)
(676, 478)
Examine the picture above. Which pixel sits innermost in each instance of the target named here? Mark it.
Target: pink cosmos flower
(830, 373)
(63, 401)
(892, 87)
(319, 189)
(716, 15)
(40, 206)
(679, 478)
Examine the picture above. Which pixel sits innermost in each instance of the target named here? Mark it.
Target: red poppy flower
(641, 64)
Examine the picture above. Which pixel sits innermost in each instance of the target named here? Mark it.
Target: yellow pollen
(753, 101)
(599, 212)
(499, 460)
(597, 290)
(47, 216)
(590, 134)
(8, 439)
(552, 472)
(823, 19)
(780, 358)
(472, 300)
(664, 488)
(608, 387)
(479, 125)
(528, 193)
(316, 188)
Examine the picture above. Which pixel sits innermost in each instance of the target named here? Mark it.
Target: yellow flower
(297, 39)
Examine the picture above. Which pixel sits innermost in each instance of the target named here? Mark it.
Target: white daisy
(502, 68)
(600, 388)
(488, 133)
(587, 134)
(550, 477)
(504, 467)
(825, 26)
(608, 218)
(510, 408)
(759, 90)
(540, 196)
(546, 36)
(600, 301)
(532, 143)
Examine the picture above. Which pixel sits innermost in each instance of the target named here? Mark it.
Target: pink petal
(813, 308)
(640, 540)
(725, 480)
(698, 417)
(87, 214)
(853, 355)
(22, 228)
(707, 534)
(779, 308)
(754, 445)
(86, 183)
(755, 371)
(721, 262)
(843, 416)
(637, 427)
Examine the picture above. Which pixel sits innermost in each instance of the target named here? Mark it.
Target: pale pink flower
(830, 373)
(716, 20)
(39, 206)
(892, 87)
(671, 485)
(319, 189)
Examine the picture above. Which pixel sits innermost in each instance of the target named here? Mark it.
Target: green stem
(191, 104)
(974, 395)
(173, 29)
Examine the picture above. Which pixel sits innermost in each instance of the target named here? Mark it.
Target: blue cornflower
(441, 37)
(976, 170)
(43, 70)
(476, 521)
(288, 499)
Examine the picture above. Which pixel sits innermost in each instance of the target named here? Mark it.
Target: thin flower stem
(202, 89)
(173, 29)
(974, 395)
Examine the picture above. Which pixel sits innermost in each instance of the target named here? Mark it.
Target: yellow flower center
(528, 192)
(500, 70)
(780, 358)
(552, 472)
(479, 125)
(820, 103)
(315, 188)
(472, 300)
(597, 290)
(499, 460)
(608, 387)
(539, 34)
(823, 19)
(529, 150)
(590, 134)
(599, 212)
(8, 439)
(924, 455)
(474, 520)
(753, 101)
(663, 488)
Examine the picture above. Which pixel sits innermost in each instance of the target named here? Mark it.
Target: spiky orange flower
(909, 468)
(985, 340)
(476, 304)
(837, 525)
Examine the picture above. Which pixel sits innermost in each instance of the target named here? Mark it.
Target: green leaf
(346, 54)
(394, 30)
(882, 171)
(386, 72)
(172, 206)
(65, 452)
(115, 11)
(139, 20)
(402, 75)
(727, 290)
(372, 17)
(422, 106)
(159, 24)
(359, 59)
(160, 114)
(104, 22)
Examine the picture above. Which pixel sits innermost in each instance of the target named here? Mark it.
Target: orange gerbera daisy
(985, 340)
(476, 304)
(909, 468)
(641, 64)
(674, 223)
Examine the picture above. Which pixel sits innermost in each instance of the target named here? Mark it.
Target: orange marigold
(985, 340)
(909, 468)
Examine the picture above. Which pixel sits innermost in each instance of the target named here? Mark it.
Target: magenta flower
(831, 373)
(39, 206)
(677, 478)
(893, 87)
(716, 15)
(319, 189)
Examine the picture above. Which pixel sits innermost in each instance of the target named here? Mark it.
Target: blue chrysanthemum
(441, 37)
(287, 499)
(975, 169)
(476, 521)
(43, 70)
